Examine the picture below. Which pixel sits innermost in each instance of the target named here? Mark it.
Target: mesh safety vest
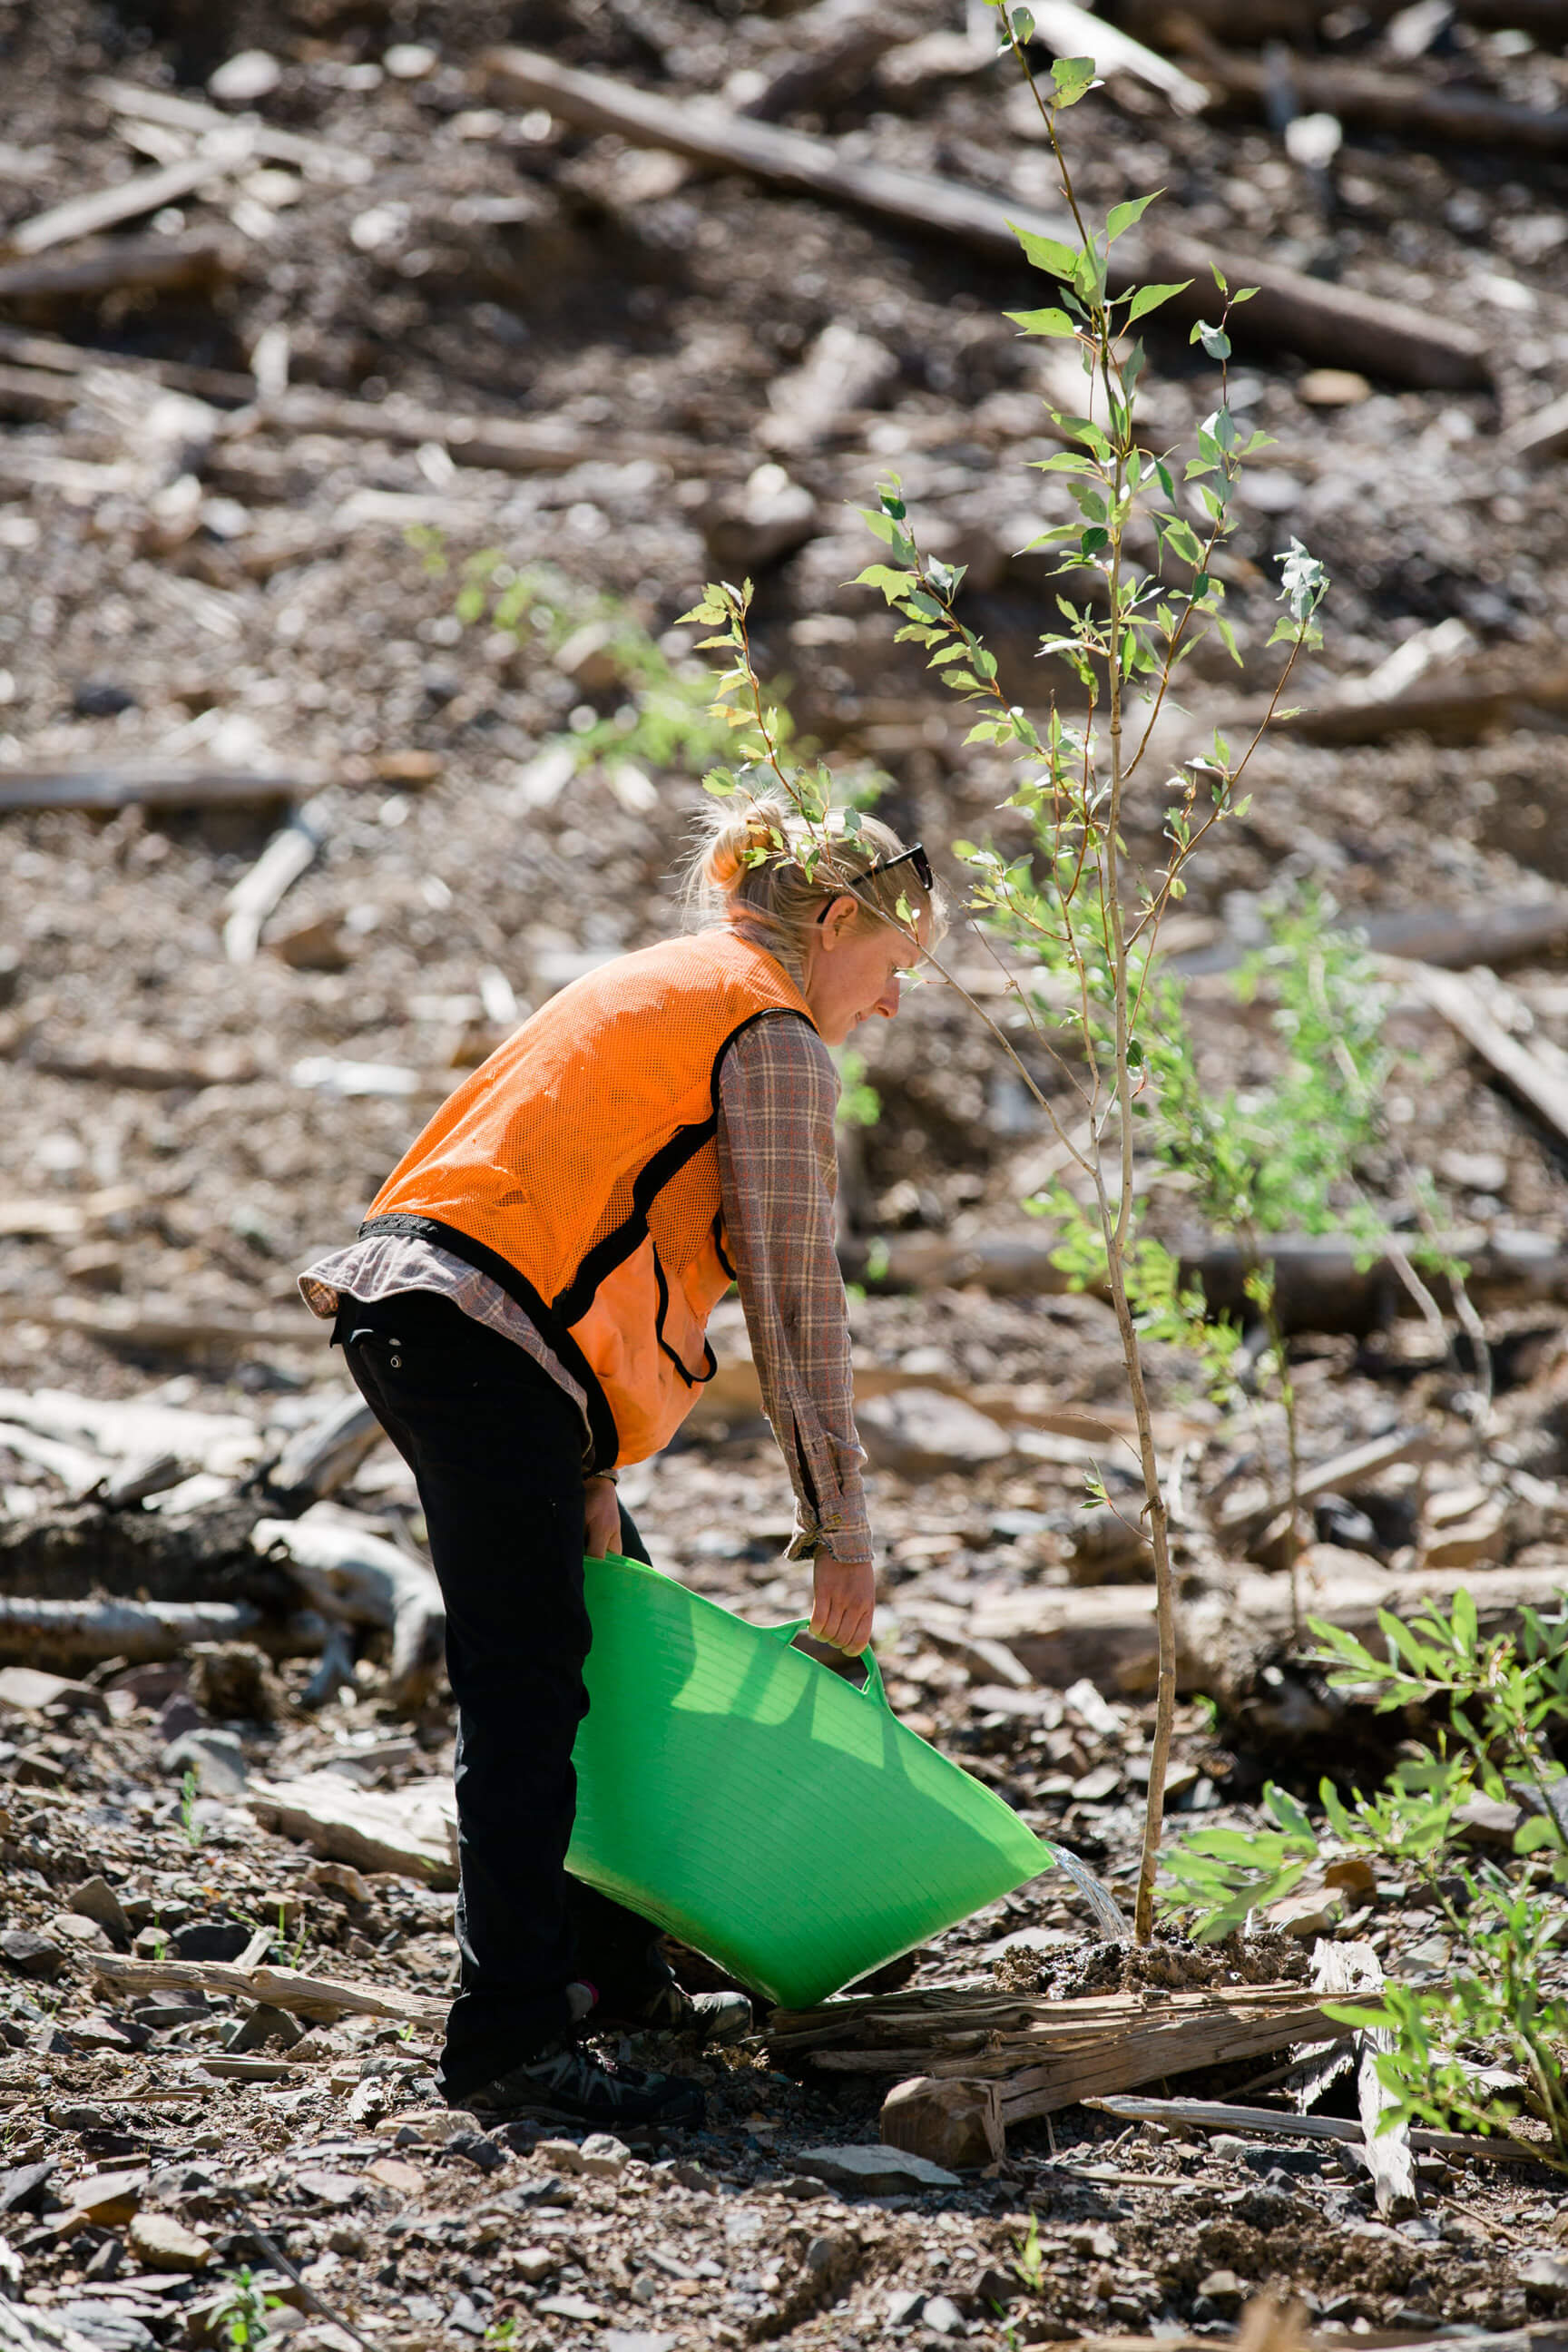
(578, 1168)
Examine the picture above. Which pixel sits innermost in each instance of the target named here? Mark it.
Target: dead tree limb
(360, 1579)
(43, 1631)
(322, 1998)
(289, 854)
(1389, 101)
(1321, 322)
(1524, 1073)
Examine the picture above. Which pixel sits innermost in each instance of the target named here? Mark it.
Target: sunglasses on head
(916, 857)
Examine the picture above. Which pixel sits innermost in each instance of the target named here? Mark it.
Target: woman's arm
(778, 1092)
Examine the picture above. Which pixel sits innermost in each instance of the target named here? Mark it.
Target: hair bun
(758, 825)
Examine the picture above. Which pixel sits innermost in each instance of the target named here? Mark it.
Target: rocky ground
(182, 1126)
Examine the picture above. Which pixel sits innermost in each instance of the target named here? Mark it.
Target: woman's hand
(844, 1601)
(601, 1518)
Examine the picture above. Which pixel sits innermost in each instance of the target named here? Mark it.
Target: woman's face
(853, 969)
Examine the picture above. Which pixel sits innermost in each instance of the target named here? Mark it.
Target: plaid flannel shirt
(778, 1175)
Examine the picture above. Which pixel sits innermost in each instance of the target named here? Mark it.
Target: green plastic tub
(757, 1806)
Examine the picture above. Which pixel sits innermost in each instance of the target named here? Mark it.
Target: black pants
(497, 1450)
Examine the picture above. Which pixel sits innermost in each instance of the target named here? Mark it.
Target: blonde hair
(754, 869)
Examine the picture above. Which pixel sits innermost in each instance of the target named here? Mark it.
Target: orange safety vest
(578, 1168)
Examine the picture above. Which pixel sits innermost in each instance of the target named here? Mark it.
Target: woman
(524, 1312)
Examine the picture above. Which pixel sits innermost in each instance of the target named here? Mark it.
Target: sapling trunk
(1094, 928)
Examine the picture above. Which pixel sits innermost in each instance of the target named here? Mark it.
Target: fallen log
(150, 784)
(1451, 937)
(160, 1326)
(1381, 100)
(361, 1579)
(1106, 1633)
(510, 445)
(1242, 1520)
(1319, 321)
(1217, 2115)
(124, 1429)
(324, 1455)
(1323, 1281)
(67, 1631)
(148, 265)
(413, 1832)
(318, 1998)
(143, 1062)
(1045, 2056)
(1525, 1074)
(1457, 711)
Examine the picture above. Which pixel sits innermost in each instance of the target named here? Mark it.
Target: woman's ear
(840, 919)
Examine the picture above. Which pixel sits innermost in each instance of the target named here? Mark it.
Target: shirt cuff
(848, 1540)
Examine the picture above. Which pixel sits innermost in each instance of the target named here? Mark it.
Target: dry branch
(131, 199)
(510, 445)
(288, 1988)
(360, 1579)
(289, 854)
(1321, 322)
(1524, 1073)
(317, 158)
(148, 264)
(1217, 2115)
(1389, 101)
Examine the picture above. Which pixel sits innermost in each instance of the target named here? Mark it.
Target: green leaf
(1046, 252)
(1214, 339)
(1219, 276)
(1122, 218)
(1149, 297)
(1023, 26)
(1535, 1835)
(1074, 78)
(892, 584)
(1043, 322)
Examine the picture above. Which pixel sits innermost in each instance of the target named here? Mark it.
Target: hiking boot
(712, 2017)
(569, 2084)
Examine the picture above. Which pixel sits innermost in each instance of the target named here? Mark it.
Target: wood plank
(1321, 322)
